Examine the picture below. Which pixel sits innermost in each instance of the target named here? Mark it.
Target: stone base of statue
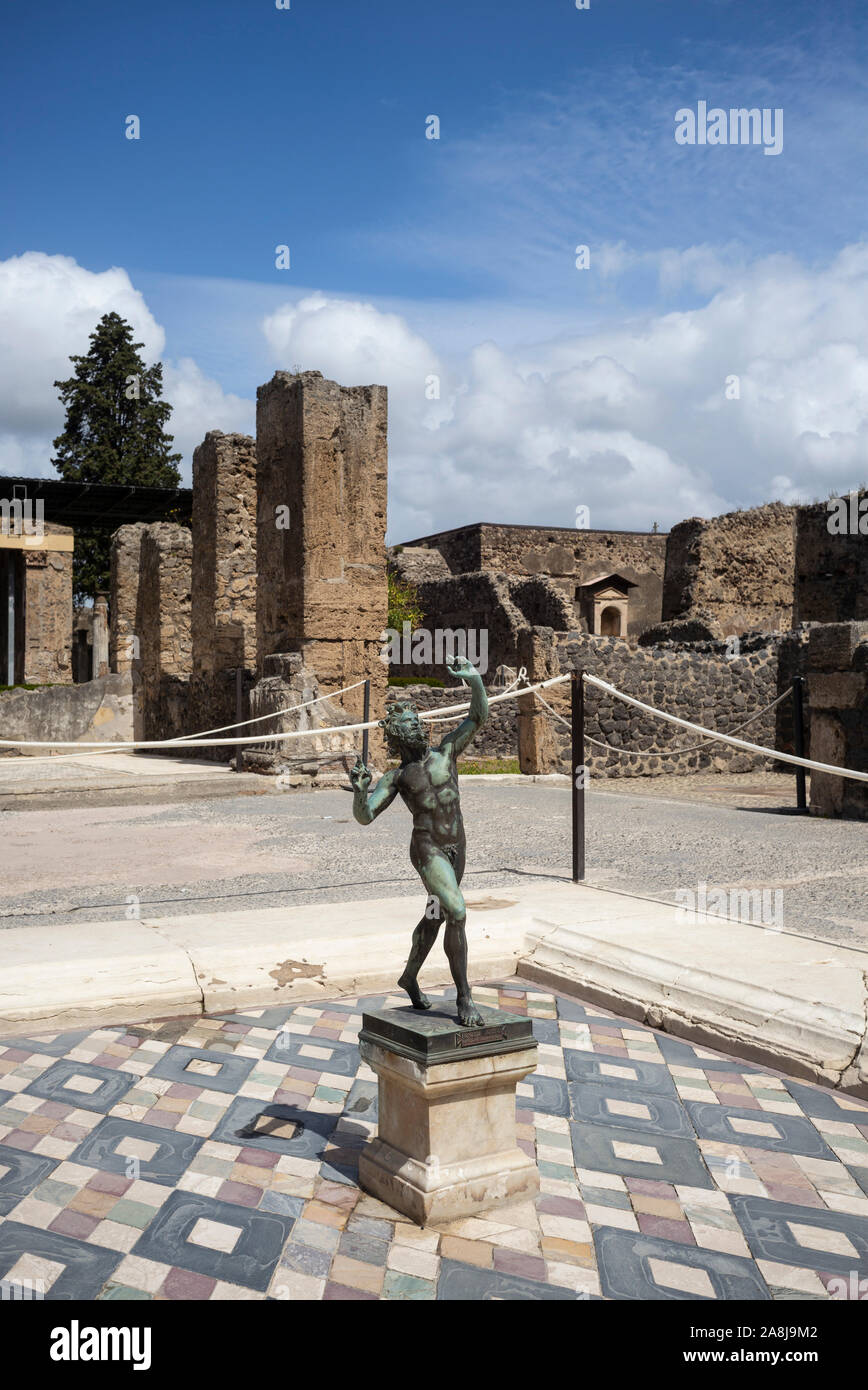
(446, 1143)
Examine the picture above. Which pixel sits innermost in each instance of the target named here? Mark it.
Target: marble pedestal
(446, 1143)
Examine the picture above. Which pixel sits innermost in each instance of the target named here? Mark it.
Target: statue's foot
(417, 998)
(468, 1014)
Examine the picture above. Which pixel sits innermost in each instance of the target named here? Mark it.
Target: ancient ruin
(275, 596)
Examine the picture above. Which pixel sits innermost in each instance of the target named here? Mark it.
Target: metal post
(578, 774)
(799, 739)
(366, 714)
(239, 715)
(10, 617)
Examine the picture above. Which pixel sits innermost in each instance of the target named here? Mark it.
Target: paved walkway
(241, 842)
(217, 1159)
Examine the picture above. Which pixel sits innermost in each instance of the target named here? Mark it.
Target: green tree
(115, 433)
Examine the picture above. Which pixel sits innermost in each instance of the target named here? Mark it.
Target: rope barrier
(509, 694)
(727, 738)
(191, 741)
(185, 740)
(664, 752)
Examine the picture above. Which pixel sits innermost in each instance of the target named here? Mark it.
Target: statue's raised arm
(458, 740)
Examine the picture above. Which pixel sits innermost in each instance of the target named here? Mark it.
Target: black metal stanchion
(799, 740)
(578, 774)
(366, 716)
(239, 715)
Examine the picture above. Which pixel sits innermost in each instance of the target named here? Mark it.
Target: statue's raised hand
(360, 776)
(460, 666)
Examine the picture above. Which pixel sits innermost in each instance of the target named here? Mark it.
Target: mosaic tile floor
(216, 1159)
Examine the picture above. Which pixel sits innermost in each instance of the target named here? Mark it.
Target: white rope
(454, 709)
(271, 738)
(728, 738)
(276, 714)
(185, 740)
(440, 718)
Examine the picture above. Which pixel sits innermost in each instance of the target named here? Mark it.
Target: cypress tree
(115, 433)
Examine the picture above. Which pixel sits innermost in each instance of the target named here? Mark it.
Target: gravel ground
(82, 863)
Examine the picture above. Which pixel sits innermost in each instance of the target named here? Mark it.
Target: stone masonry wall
(737, 569)
(569, 557)
(489, 609)
(164, 629)
(697, 682)
(498, 737)
(832, 567)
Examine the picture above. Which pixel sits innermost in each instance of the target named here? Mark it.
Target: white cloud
(49, 306)
(633, 420)
(200, 404)
(630, 419)
(354, 343)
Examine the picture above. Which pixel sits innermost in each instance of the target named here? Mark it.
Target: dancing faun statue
(427, 781)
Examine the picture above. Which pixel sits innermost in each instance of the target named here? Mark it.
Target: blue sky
(261, 127)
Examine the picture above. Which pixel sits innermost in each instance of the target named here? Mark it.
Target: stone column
(321, 589)
(538, 746)
(163, 626)
(100, 636)
(223, 595)
(46, 606)
(126, 559)
(838, 700)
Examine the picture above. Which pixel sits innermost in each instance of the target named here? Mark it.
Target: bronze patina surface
(435, 1037)
(427, 782)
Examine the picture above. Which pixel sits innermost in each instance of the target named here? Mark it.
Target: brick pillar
(838, 700)
(223, 592)
(126, 558)
(163, 627)
(538, 744)
(322, 470)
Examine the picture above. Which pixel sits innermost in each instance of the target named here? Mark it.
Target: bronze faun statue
(427, 780)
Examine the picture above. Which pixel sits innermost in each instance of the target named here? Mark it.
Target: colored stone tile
(648, 1267)
(407, 1286)
(159, 1154)
(20, 1173)
(464, 1283)
(84, 1268)
(250, 1262)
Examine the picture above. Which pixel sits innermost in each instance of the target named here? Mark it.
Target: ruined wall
(838, 694)
(737, 570)
(48, 612)
(223, 593)
(322, 464)
(697, 682)
(490, 609)
(832, 561)
(163, 626)
(569, 557)
(125, 568)
(100, 709)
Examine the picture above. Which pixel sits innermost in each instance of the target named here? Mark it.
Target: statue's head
(406, 737)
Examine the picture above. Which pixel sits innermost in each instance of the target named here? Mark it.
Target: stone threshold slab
(781, 1000)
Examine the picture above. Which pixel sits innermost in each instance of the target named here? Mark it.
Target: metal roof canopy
(91, 506)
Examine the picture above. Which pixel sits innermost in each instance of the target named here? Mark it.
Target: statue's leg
(441, 876)
(424, 937)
